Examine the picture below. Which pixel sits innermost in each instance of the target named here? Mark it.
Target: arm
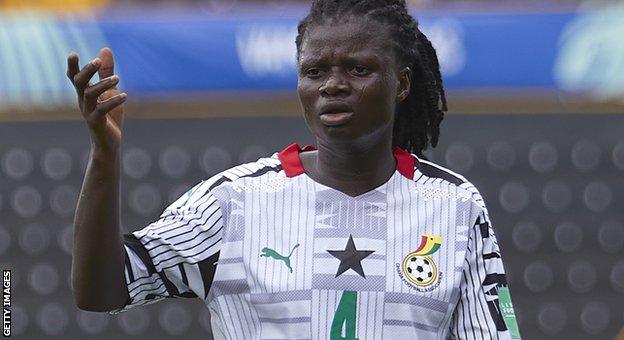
(98, 256)
(484, 309)
(98, 253)
(176, 255)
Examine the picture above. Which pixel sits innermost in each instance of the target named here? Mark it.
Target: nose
(334, 84)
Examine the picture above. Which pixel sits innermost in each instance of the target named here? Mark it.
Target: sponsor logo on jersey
(418, 269)
(268, 252)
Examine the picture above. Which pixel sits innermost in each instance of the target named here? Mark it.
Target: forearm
(98, 253)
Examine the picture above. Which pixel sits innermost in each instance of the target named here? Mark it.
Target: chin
(338, 132)
(350, 134)
(341, 136)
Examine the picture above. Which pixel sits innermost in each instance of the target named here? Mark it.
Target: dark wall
(553, 185)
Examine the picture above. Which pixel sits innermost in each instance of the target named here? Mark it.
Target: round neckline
(292, 166)
(325, 187)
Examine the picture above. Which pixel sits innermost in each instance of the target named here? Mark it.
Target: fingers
(107, 67)
(92, 92)
(72, 66)
(81, 79)
(107, 105)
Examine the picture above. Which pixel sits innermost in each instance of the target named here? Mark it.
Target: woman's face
(350, 66)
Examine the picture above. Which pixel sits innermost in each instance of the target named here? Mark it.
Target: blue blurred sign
(195, 52)
(496, 50)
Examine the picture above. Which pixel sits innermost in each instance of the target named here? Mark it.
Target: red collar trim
(405, 162)
(291, 163)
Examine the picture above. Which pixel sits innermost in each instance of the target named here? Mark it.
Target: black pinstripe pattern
(207, 267)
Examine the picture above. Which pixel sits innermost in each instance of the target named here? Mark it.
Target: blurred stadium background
(536, 121)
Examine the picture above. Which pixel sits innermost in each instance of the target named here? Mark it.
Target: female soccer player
(356, 237)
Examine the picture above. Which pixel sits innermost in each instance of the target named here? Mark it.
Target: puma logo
(268, 252)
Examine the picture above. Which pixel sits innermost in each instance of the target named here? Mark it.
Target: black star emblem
(350, 258)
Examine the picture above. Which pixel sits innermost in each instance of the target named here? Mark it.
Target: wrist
(104, 153)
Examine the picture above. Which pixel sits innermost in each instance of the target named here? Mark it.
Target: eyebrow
(350, 59)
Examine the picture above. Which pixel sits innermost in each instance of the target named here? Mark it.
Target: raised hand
(101, 103)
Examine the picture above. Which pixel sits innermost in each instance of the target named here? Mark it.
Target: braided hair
(418, 117)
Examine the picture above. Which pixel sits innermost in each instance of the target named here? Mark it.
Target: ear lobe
(405, 77)
(401, 97)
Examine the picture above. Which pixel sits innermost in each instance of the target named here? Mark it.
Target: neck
(348, 163)
(352, 168)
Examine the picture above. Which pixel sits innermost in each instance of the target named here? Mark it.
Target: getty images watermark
(6, 302)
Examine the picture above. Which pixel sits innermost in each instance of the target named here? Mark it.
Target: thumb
(107, 67)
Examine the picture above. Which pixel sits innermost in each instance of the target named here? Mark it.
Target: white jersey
(275, 255)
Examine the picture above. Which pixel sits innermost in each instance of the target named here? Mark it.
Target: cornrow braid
(418, 117)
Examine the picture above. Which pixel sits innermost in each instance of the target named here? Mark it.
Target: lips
(335, 119)
(335, 107)
(336, 114)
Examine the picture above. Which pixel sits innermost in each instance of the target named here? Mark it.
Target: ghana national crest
(418, 269)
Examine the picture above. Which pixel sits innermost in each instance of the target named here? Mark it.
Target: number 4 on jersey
(346, 314)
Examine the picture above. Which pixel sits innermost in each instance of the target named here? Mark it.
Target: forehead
(351, 38)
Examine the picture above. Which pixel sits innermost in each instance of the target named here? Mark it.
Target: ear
(404, 84)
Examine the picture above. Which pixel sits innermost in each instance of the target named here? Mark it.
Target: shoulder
(262, 167)
(427, 173)
(218, 185)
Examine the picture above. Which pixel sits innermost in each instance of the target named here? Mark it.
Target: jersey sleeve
(176, 255)
(484, 309)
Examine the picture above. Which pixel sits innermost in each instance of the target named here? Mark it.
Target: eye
(312, 72)
(360, 70)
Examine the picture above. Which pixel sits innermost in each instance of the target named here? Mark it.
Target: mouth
(335, 118)
(336, 113)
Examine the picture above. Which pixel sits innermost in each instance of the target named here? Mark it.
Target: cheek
(306, 95)
(377, 96)
(388, 84)
(307, 99)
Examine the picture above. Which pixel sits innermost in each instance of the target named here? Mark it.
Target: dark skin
(98, 282)
(351, 62)
(354, 67)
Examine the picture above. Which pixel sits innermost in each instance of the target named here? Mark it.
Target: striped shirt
(276, 255)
